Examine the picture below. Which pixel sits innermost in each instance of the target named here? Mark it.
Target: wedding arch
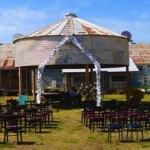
(72, 39)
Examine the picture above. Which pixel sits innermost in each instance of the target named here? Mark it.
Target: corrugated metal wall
(106, 49)
(7, 52)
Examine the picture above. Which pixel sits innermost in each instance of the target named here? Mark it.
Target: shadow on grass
(55, 121)
(51, 126)
(127, 141)
(43, 132)
(145, 140)
(130, 141)
(26, 143)
(19, 143)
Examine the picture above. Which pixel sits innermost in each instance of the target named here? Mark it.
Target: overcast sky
(25, 16)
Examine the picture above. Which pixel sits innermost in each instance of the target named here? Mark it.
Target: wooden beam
(10, 80)
(0, 79)
(33, 84)
(68, 81)
(20, 81)
(87, 74)
(91, 75)
(26, 80)
(67, 86)
(65, 81)
(127, 82)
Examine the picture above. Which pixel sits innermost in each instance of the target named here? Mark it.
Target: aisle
(71, 134)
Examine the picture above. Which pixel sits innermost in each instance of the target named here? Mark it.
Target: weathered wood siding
(106, 49)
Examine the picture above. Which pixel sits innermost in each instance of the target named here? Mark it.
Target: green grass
(108, 97)
(70, 134)
(105, 97)
(67, 133)
(122, 97)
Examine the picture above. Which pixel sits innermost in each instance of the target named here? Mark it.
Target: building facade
(140, 53)
(9, 73)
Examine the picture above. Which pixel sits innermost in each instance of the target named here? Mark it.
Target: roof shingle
(140, 53)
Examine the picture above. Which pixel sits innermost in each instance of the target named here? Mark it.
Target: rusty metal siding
(7, 52)
(140, 53)
(8, 63)
(108, 50)
(72, 25)
(106, 46)
(32, 51)
(68, 28)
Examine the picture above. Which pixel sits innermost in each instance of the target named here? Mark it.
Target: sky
(26, 16)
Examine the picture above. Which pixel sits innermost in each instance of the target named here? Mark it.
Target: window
(118, 81)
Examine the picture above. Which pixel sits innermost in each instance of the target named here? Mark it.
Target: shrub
(136, 95)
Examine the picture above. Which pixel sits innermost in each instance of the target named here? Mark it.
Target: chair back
(22, 99)
(11, 120)
(12, 124)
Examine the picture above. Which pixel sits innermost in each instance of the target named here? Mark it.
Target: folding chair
(12, 126)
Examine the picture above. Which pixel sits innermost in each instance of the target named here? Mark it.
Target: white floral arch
(41, 67)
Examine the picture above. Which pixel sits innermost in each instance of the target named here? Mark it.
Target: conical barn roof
(99, 41)
(71, 24)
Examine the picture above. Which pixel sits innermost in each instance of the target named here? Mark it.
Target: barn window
(118, 81)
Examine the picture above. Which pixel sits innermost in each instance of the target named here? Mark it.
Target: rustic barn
(109, 48)
(99, 41)
(140, 53)
(9, 73)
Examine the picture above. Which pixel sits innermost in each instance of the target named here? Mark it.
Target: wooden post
(71, 80)
(68, 81)
(65, 81)
(26, 83)
(20, 81)
(91, 75)
(33, 84)
(0, 79)
(10, 72)
(87, 74)
(127, 82)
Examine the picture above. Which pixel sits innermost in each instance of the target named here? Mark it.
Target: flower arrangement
(87, 92)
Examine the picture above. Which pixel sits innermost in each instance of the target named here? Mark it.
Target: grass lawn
(67, 133)
(121, 97)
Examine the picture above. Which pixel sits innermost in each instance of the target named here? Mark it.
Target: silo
(108, 48)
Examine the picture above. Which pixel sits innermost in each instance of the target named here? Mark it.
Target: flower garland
(97, 69)
(97, 66)
(41, 68)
